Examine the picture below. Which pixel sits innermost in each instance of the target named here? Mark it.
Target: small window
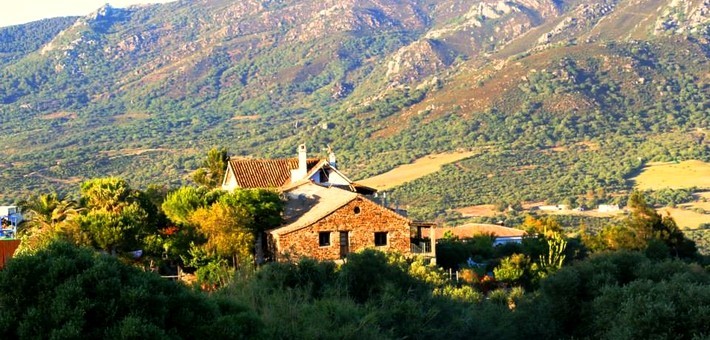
(356, 210)
(380, 239)
(324, 238)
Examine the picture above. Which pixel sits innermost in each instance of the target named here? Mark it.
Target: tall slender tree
(213, 167)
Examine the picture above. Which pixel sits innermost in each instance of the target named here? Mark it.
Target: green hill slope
(142, 92)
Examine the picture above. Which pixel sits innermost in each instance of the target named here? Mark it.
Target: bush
(626, 295)
(368, 274)
(64, 291)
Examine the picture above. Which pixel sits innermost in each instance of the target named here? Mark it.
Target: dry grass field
(685, 216)
(409, 172)
(132, 152)
(59, 115)
(686, 219)
(681, 175)
(484, 210)
(251, 117)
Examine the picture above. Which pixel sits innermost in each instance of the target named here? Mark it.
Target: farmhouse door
(344, 244)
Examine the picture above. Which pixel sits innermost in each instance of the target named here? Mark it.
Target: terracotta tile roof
(472, 229)
(266, 173)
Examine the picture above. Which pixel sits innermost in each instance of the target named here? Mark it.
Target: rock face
(418, 60)
(177, 42)
(680, 17)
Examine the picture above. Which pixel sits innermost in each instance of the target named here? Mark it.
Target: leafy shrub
(64, 291)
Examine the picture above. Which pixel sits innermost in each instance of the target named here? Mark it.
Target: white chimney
(332, 160)
(302, 171)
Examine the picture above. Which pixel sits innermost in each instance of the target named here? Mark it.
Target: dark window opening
(323, 176)
(344, 244)
(380, 239)
(324, 238)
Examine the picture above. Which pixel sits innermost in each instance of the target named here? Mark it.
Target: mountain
(560, 97)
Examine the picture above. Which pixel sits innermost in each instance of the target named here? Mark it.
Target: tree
(512, 269)
(543, 226)
(40, 207)
(226, 230)
(264, 207)
(648, 225)
(49, 217)
(115, 231)
(213, 167)
(640, 230)
(624, 294)
(108, 193)
(181, 203)
(68, 292)
(117, 217)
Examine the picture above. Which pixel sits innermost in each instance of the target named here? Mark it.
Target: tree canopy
(68, 292)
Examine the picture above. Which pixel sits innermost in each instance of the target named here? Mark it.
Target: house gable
(352, 215)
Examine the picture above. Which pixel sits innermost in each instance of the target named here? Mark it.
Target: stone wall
(361, 218)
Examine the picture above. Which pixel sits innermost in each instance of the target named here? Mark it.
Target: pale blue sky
(13, 12)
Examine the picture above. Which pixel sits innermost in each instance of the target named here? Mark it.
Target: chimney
(302, 171)
(332, 160)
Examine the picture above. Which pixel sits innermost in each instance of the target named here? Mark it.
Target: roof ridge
(249, 159)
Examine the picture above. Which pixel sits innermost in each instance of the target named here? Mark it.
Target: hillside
(566, 97)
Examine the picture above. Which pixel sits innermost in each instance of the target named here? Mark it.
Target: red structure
(7, 250)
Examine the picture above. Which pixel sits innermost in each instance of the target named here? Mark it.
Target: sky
(13, 12)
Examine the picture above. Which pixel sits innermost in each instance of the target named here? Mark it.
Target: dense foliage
(580, 301)
(191, 226)
(545, 287)
(569, 118)
(68, 292)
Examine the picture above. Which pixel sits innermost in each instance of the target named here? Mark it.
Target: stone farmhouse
(327, 223)
(326, 214)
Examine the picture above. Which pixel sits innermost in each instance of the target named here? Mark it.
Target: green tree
(68, 292)
(640, 230)
(264, 207)
(213, 167)
(512, 269)
(623, 294)
(648, 224)
(181, 203)
(116, 218)
(109, 193)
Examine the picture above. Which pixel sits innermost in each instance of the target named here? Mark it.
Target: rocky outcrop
(417, 61)
(681, 17)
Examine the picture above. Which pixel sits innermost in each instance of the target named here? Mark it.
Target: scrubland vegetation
(634, 278)
(139, 93)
